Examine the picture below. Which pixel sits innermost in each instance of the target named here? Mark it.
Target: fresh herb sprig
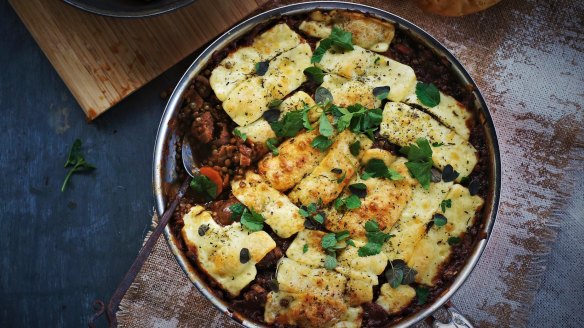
(77, 162)
(358, 119)
(331, 242)
(248, 218)
(398, 273)
(419, 161)
(375, 239)
(428, 94)
(376, 168)
(203, 186)
(338, 38)
(314, 218)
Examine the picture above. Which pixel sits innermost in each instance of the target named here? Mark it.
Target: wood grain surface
(104, 59)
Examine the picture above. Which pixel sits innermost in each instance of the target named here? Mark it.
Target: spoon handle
(116, 298)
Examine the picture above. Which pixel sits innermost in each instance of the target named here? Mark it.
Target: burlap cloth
(527, 58)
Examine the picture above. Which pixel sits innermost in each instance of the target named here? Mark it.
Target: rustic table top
(60, 251)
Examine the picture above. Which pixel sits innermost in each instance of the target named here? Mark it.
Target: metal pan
(164, 162)
(128, 8)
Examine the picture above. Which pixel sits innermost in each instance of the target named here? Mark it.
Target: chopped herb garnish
(350, 202)
(330, 261)
(449, 174)
(261, 68)
(272, 144)
(428, 94)
(237, 210)
(446, 203)
(358, 119)
(464, 180)
(322, 96)
(454, 241)
(342, 178)
(439, 220)
(355, 147)
(350, 242)
(240, 134)
(204, 187)
(305, 248)
(77, 162)
(311, 214)
(375, 239)
(398, 273)
(330, 243)
(359, 189)
(321, 143)
(252, 220)
(291, 123)
(422, 295)
(338, 38)
(419, 161)
(274, 104)
(325, 127)
(381, 92)
(376, 168)
(314, 74)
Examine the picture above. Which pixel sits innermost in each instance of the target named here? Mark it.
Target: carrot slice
(214, 176)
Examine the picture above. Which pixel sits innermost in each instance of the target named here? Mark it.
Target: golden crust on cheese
(279, 213)
(368, 32)
(322, 183)
(384, 202)
(247, 101)
(286, 72)
(314, 255)
(394, 300)
(296, 159)
(232, 70)
(402, 125)
(433, 251)
(411, 225)
(449, 111)
(371, 69)
(218, 249)
(349, 92)
(275, 41)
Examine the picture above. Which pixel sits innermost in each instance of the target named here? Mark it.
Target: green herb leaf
(290, 124)
(422, 295)
(322, 96)
(342, 178)
(261, 68)
(330, 262)
(428, 94)
(252, 220)
(422, 172)
(318, 218)
(454, 241)
(381, 92)
(314, 74)
(359, 189)
(419, 161)
(342, 235)
(272, 144)
(274, 104)
(303, 212)
(351, 242)
(439, 220)
(446, 203)
(338, 38)
(358, 119)
(395, 278)
(398, 273)
(328, 241)
(77, 161)
(375, 239)
(376, 60)
(352, 202)
(305, 248)
(237, 210)
(376, 168)
(321, 143)
(437, 144)
(355, 147)
(449, 174)
(240, 134)
(325, 128)
(203, 186)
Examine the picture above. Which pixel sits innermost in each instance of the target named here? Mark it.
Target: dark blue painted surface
(60, 251)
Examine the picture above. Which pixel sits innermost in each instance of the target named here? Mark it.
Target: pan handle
(456, 319)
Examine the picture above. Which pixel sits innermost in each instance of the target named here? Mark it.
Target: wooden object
(104, 59)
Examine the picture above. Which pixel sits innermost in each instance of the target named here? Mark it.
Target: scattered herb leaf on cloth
(77, 162)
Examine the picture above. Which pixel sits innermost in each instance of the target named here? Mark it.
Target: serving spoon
(114, 302)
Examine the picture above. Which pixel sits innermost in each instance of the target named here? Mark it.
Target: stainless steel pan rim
(163, 163)
(136, 10)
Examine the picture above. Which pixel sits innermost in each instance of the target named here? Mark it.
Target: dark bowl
(129, 8)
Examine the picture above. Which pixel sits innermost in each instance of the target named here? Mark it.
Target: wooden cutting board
(104, 59)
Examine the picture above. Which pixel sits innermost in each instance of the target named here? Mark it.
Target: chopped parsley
(381, 92)
(419, 161)
(428, 94)
(446, 203)
(338, 38)
(252, 220)
(291, 123)
(204, 186)
(321, 143)
(240, 134)
(305, 248)
(77, 162)
(274, 104)
(358, 119)
(375, 239)
(325, 127)
(359, 189)
(314, 74)
(272, 144)
(237, 210)
(350, 202)
(439, 220)
(398, 273)
(331, 242)
(313, 217)
(376, 168)
(355, 147)
(261, 68)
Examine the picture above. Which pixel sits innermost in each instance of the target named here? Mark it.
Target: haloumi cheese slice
(276, 40)
(394, 300)
(432, 252)
(286, 72)
(314, 255)
(247, 101)
(232, 70)
(402, 125)
(361, 272)
(449, 111)
(307, 296)
(367, 32)
(218, 249)
(384, 202)
(324, 184)
(411, 225)
(372, 69)
(260, 131)
(279, 213)
(347, 92)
